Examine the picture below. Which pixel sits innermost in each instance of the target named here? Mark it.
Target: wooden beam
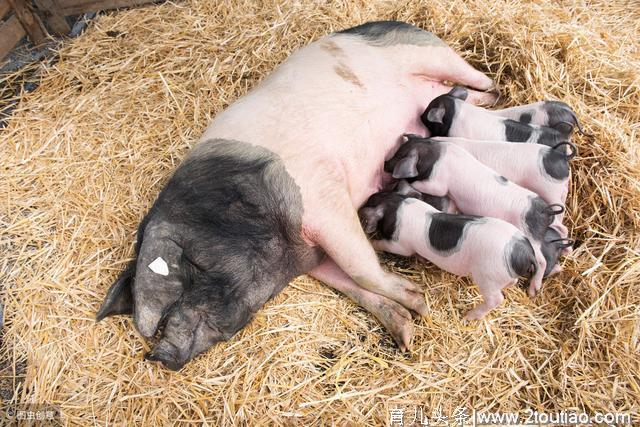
(11, 32)
(30, 21)
(4, 8)
(75, 7)
(56, 21)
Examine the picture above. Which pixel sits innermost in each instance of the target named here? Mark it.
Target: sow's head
(221, 239)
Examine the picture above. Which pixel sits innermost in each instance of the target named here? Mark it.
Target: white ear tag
(159, 266)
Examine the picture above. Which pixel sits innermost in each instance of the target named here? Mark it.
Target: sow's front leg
(223, 237)
(335, 226)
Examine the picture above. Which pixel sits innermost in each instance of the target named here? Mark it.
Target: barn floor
(85, 154)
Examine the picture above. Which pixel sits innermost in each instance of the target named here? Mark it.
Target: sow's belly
(327, 130)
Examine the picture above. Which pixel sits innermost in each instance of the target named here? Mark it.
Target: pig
(439, 168)
(554, 114)
(271, 191)
(442, 203)
(450, 115)
(541, 169)
(491, 251)
(553, 247)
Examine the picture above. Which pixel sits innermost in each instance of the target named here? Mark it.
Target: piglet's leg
(395, 318)
(492, 295)
(342, 238)
(433, 187)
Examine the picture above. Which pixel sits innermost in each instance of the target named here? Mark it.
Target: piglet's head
(414, 159)
(378, 214)
(440, 112)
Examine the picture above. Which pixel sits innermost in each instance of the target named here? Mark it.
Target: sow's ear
(119, 299)
(370, 217)
(407, 167)
(459, 92)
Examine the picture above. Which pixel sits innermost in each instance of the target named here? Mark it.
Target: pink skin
(480, 124)
(333, 112)
(475, 190)
(481, 255)
(521, 164)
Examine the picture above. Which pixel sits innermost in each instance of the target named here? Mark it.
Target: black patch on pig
(522, 258)
(525, 118)
(550, 249)
(516, 131)
(537, 217)
(390, 202)
(229, 221)
(388, 33)
(561, 117)
(501, 179)
(446, 231)
(447, 102)
(555, 163)
(549, 137)
(440, 203)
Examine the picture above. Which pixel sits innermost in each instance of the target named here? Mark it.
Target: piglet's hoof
(472, 316)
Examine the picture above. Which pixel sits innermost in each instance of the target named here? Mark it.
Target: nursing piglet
(541, 169)
(439, 168)
(450, 115)
(491, 251)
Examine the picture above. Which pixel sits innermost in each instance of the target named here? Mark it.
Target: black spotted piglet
(439, 168)
(450, 115)
(491, 251)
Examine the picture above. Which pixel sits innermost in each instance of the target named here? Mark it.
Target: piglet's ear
(407, 167)
(436, 114)
(370, 218)
(459, 92)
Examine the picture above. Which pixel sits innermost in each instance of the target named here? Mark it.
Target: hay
(86, 153)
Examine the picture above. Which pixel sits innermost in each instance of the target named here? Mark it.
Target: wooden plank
(56, 21)
(74, 7)
(4, 8)
(30, 21)
(11, 32)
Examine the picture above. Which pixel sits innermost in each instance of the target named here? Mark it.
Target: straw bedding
(86, 153)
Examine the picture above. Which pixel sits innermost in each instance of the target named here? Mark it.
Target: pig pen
(85, 154)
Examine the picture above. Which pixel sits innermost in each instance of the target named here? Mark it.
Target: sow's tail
(522, 258)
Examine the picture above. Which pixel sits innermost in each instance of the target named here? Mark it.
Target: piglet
(450, 115)
(491, 251)
(553, 247)
(439, 168)
(541, 169)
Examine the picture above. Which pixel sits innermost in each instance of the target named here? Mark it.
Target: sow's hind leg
(395, 318)
(425, 56)
(223, 237)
